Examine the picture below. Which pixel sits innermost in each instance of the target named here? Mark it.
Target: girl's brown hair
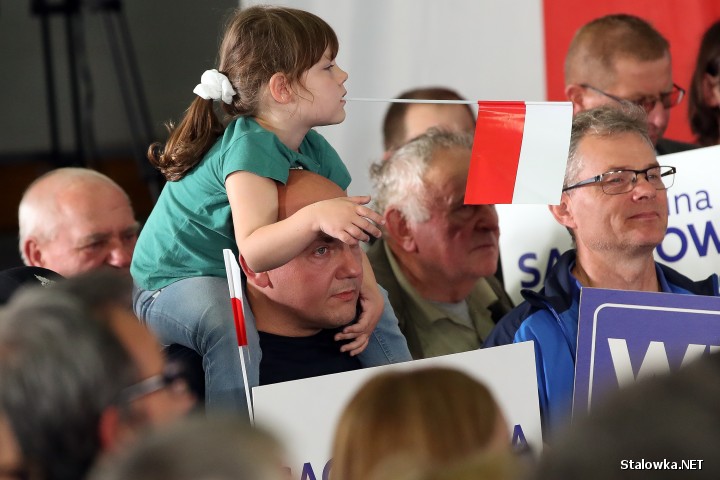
(258, 42)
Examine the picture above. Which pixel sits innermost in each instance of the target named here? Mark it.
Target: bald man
(73, 220)
(299, 307)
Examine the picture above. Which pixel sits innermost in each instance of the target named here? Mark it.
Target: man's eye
(465, 211)
(330, 66)
(321, 250)
(94, 246)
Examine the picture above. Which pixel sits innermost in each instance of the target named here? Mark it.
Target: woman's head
(438, 414)
(264, 40)
(704, 92)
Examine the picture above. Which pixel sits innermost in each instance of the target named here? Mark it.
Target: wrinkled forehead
(303, 188)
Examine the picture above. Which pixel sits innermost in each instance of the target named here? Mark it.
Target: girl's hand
(372, 304)
(346, 219)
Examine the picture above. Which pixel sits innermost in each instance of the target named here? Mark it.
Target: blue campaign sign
(624, 336)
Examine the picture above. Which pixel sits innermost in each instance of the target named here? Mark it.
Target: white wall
(489, 50)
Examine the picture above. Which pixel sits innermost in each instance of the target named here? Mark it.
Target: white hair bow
(214, 85)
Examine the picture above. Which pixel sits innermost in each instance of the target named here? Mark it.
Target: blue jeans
(196, 313)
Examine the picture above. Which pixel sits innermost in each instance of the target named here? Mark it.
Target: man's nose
(350, 262)
(486, 217)
(659, 115)
(120, 254)
(643, 187)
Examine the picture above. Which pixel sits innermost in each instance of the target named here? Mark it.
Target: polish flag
(235, 284)
(519, 153)
(234, 277)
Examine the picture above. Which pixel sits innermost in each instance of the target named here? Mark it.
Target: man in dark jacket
(620, 59)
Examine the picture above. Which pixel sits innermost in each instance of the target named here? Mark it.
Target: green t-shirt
(191, 223)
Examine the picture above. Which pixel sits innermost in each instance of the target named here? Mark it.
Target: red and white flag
(519, 153)
(234, 278)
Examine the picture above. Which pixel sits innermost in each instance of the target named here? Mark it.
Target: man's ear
(399, 229)
(32, 252)
(711, 90)
(261, 280)
(280, 88)
(576, 94)
(563, 212)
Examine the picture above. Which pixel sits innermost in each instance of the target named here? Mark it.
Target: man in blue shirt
(615, 207)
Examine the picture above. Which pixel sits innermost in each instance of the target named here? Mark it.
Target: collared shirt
(432, 331)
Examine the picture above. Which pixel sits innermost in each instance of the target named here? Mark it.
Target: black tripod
(81, 88)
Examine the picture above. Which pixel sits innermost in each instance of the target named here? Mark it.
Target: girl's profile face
(322, 91)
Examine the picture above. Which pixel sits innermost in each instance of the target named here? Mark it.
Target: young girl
(279, 79)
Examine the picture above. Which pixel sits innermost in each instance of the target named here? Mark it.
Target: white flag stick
(446, 102)
(234, 277)
(242, 350)
(411, 100)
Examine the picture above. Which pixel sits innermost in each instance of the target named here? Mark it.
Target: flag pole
(411, 100)
(242, 349)
(234, 277)
(450, 102)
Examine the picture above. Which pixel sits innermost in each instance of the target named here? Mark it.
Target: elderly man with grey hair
(62, 374)
(73, 220)
(437, 256)
(615, 206)
(79, 376)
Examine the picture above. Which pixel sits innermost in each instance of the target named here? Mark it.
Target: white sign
(531, 240)
(303, 413)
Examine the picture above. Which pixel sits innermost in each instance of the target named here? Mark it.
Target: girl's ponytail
(188, 141)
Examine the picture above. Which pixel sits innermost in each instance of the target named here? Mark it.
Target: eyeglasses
(616, 182)
(667, 99)
(150, 385)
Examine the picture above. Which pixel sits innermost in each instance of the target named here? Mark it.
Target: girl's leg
(196, 312)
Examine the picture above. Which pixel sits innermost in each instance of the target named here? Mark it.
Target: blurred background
(120, 70)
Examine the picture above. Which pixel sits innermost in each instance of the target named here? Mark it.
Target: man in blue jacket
(615, 207)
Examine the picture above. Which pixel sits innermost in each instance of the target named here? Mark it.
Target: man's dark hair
(394, 122)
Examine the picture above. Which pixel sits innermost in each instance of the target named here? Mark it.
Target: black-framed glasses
(616, 182)
(667, 99)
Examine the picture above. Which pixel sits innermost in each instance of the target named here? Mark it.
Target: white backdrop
(489, 50)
